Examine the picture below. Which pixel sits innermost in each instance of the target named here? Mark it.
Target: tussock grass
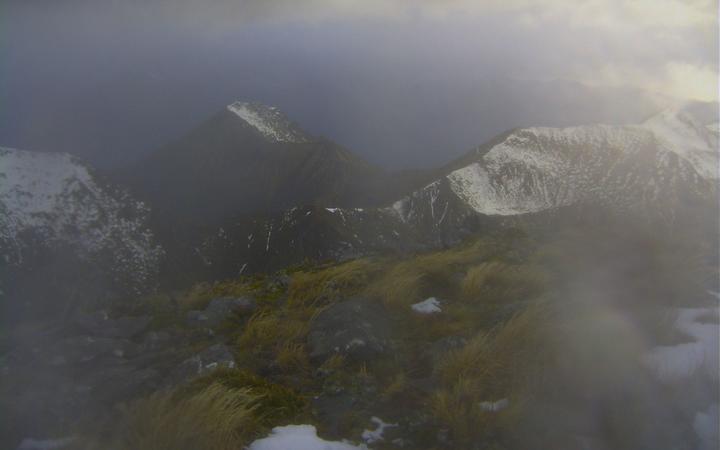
(496, 281)
(497, 364)
(321, 287)
(437, 273)
(410, 281)
(396, 388)
(276, 404)
(267, 333)
(460, 408)
(497, 355)
(214, 418)
(292, 358)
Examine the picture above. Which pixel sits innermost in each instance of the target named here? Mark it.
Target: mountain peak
(268, 121)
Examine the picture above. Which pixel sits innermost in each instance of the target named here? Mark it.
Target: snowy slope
(51, 199)
(269, 122)
(659, 166)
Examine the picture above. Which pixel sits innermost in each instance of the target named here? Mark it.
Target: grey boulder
(218, 310)
(214, 357)
(357, 328)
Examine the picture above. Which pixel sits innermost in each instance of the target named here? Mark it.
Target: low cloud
(395, 80)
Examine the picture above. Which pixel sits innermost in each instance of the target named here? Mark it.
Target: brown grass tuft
(216, 418)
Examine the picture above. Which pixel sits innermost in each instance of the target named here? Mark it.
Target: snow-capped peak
(269, 121)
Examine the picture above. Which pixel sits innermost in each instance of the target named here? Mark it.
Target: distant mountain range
(249, 190)
(663, 173)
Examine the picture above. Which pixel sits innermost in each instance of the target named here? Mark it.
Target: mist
(402, 86)
(213, 235)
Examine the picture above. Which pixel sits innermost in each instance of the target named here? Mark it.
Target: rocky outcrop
(358, 329)
(218, 310)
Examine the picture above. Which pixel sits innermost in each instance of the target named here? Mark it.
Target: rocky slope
(250, 158)
(55, 212)
(664, 169)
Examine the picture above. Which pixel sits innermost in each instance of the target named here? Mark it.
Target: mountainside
(54, 212)
(664, 169)
(251, 158)
(250, 191)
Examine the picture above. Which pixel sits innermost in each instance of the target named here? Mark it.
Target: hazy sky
(404, 82)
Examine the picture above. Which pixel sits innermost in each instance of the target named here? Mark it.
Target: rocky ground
(503, 342)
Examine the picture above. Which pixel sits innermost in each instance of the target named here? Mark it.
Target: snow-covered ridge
(269, 121)
(52, 198)
(651, 168)
(536, 169)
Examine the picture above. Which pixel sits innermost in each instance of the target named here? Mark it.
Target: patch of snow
(270, 122)
(299, 437)
(672, 363)
(376, 435)
(429, 306)
(399, 208)
(475, 186)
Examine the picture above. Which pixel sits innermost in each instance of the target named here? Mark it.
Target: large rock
(218, 310)
(358, 329)
(101, 325)
(211, 358)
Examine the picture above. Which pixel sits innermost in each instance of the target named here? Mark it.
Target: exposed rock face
(358, 329)
(218, 310)
(214, 357)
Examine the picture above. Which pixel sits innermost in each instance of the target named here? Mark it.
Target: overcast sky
(403, 83)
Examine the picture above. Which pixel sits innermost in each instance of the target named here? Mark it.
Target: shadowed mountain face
(661, 172)
(250, 191)
(250, 158)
